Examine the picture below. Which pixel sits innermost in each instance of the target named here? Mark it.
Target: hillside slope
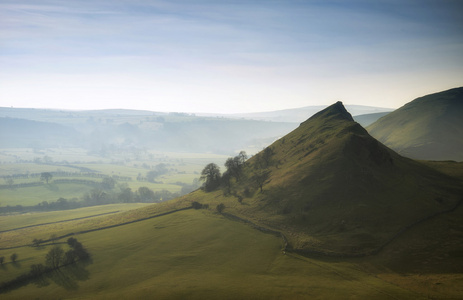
(430, 127)
(332, 188)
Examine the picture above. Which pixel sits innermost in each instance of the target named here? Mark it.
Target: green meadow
(77, 172)
(195, 254)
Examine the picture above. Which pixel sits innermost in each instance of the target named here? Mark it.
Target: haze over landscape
(231, 149)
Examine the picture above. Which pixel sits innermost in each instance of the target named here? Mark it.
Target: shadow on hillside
(67, 277)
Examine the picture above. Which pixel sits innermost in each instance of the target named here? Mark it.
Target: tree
(260, 177)
(14, 257)
(69, 257)
(126, 195)
(37, 242)
(226, 181)
(196, 205)
(220, 208)
(159, 170)
(96, 197)
(242, 156)
(235, 165)
(79, 251)
(54, 257)
(72, 242)
(9, 181)
(264, 158)
(144, 194)
(108, 183)
(211, 177)
(46, 176)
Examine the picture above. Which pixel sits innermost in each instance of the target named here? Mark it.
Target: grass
(28, 196)
(200, 255)
(21, 220)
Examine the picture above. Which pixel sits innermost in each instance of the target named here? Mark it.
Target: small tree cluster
(261, 173)
(56, 257)
(213, 179)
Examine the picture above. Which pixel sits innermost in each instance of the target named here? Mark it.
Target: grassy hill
(429, 127)
(334, 189)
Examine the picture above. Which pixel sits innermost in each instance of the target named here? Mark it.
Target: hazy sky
(226, 56)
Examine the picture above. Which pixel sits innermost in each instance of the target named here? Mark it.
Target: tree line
(235, 175)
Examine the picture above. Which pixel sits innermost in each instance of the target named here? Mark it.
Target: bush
(196, 205)
(220, 208)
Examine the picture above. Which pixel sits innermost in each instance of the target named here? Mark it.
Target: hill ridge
(427, 128)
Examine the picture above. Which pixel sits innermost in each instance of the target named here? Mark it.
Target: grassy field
(182, 169)
(21, 220)
(197, 255)
(29, 196)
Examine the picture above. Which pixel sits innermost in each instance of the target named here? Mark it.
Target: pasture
(196, 255)
(77, 172)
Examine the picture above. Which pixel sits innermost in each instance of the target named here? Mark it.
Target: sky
(226, 56)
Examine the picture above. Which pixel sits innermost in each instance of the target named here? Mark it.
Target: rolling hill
(36, 134)
(332, 188)
(428, 128)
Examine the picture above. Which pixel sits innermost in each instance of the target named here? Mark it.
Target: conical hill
(330, 187)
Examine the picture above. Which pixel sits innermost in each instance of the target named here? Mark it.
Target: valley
(322, 211)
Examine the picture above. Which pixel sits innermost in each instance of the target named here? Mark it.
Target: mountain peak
(335, 111)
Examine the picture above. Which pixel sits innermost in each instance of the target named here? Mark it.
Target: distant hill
(429, 127)
(368, 119)
(33, 134)
(333, 188)
(101, 131)
(302, 113)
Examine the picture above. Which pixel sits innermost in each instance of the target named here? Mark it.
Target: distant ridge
(429, 127)
(301, 114)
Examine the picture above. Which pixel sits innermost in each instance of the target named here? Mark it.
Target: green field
(197, 255)
(14, 221)
(23, 166)
(29, 196)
